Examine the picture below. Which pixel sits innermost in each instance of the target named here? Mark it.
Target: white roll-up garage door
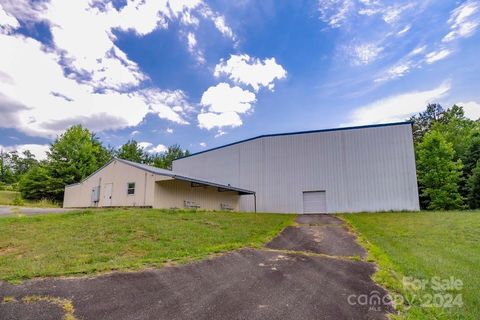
(314, 202)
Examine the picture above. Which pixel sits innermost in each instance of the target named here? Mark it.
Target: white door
(314, 202)
(107, 195)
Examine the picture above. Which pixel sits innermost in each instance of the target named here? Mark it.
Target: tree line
(447, 151)
(73, 156)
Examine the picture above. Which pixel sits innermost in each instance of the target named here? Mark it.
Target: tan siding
(173, 193)
(119, 174)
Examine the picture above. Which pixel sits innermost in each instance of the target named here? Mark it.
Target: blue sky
(207, 73)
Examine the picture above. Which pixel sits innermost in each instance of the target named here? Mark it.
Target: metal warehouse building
(367, 168)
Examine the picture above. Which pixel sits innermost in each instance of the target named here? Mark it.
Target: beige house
(122, 183)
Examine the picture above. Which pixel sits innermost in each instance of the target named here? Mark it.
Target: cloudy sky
(205, 73)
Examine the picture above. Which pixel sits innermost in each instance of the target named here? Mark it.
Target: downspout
(255, 201)
(145, 191)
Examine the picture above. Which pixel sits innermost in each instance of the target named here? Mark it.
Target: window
(131, 188)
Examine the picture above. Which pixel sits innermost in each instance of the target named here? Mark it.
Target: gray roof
(169, 173)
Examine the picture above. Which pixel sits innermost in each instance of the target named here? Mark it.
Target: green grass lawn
(425, 245)
(96, 241)
(8, 198)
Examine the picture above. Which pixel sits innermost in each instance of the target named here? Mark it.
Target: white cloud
(224, 98)
(192, 41)
(169, 130)
(145, 144)
(218, 21)
(472, 109)
(38, 150)
(25, 64)
(403, 66)
(463, 21)
(251, 71)
(48, 107)
(202, 144)
(23, 10)
(193, 49)
(417, 51)
(145, 16)
(160, 148)
(335, 12)
(210, 120)
(169, 105)
(82, 76)
(435, 56)
(392, 14)
(134, 132)
(403, 31)
(220, 133)
(222, 105)
(395, 72)
(398, 107)
(364, 54)
(151, 148)
(7, 21)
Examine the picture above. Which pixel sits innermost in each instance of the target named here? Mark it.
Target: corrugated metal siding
(314, 202)
(368, 169)
(173, 193)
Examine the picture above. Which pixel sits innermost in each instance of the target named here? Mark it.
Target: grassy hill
(102, 240)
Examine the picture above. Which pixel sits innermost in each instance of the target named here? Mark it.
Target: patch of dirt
(7, 250)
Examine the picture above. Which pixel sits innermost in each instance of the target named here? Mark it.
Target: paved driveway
(10, 210)
(307, 272)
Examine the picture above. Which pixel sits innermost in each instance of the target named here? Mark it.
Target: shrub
(18, 201)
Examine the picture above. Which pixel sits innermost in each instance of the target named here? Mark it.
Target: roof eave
(379, 125)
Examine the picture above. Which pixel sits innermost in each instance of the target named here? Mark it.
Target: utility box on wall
(96, 194)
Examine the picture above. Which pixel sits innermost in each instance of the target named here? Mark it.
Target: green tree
(456, 128)
(6, 173)
(438, 173)
(474, 187)
(165, 159)
(36, 183)
(13, 165)
(423, 121)
(472, 155)
(132, 151)
(73, 156)
(22, 163)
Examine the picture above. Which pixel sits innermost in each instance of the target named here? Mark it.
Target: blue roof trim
(300, 132)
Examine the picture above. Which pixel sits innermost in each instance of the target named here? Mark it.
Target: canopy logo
(426, 293)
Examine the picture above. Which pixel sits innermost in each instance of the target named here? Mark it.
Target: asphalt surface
(12, 210)
(272, 283)
(324, 236)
